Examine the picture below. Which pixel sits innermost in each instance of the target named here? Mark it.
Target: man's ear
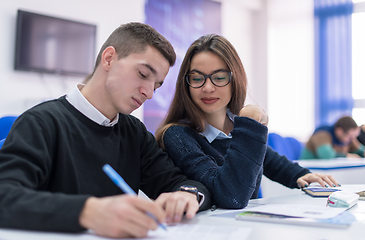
(109, 54)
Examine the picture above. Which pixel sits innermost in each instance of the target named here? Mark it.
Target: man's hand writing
(120, 216)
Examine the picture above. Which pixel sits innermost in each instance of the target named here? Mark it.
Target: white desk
(259, 230)
(273, 231)
(345, 171)
(333, 164)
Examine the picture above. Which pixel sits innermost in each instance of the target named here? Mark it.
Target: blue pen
(119, 181)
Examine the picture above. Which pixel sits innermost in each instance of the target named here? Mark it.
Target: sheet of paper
(194, 232)
(298, 210)
(201, 232)
(175, 232)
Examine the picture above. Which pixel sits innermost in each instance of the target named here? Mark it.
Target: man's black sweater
(52, 159)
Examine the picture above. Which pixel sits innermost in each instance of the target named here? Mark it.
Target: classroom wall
(248, 36)
(274, 39)
(291, 67)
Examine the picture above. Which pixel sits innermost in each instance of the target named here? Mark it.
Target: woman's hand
(322, 179)
(254, 112)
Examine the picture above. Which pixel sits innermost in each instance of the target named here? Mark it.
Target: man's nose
(148, 89)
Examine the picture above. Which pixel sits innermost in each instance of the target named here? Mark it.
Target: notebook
(319, 191)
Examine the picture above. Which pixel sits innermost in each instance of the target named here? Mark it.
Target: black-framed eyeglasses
(219, 78)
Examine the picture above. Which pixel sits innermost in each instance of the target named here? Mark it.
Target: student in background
(361, 137)
(338, 140)
(51, 176)
(213, 138)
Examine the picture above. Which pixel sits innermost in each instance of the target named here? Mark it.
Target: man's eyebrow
(150, 67)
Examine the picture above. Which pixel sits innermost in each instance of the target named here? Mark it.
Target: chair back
(5, 125)
(288, 146)
(277, 143)
(295, 147)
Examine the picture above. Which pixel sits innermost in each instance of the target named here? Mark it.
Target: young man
(338, 140)
(51, 163)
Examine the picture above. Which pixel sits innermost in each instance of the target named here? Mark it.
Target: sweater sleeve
(159, 174)
(326, 151)
(278, 168)
(232, 181)
(24, 171)
(360, 151)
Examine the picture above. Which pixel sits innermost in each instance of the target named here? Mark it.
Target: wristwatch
(194, 190)
(190, 189)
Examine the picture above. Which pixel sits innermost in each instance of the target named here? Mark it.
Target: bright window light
(358, 55)
(358, 70)
(358, 114)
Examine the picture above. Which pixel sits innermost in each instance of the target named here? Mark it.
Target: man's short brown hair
(134, 37)
(346, 123)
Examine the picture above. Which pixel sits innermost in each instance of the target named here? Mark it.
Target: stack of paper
(318, 216)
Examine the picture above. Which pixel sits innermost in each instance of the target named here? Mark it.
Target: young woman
(213, 138)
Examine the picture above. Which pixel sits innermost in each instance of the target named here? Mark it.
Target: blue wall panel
(181, 22)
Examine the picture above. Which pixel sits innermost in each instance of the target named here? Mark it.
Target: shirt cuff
(201, 198)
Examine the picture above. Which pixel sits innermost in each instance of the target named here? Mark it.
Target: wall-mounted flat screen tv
(53, 45)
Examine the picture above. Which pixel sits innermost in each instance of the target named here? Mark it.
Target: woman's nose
(208, 85)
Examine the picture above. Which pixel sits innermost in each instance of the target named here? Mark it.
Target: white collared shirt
(211, 133)
(76, 99)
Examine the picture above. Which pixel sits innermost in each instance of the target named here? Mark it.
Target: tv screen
(53, 45)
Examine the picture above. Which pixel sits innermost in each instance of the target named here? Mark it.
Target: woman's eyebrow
(217, 70)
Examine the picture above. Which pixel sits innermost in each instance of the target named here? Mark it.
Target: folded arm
(232, 177)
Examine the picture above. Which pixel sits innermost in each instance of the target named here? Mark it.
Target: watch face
(188, 188)
(191, 189)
